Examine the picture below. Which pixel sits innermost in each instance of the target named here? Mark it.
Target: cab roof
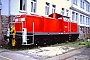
(57, 15)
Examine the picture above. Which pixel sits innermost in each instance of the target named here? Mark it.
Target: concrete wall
(59, 5)
(5, 5)
(40, 8)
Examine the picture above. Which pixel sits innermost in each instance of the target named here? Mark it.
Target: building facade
(78, 10)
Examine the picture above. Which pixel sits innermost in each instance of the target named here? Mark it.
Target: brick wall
(4, 25)
(5, 22)
(88, 34)
(84, 32)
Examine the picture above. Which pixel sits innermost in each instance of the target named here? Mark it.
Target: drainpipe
(71, 1)
(9, 20)
(0, 19)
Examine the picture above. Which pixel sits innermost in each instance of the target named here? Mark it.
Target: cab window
(60, 17)
(66, 19)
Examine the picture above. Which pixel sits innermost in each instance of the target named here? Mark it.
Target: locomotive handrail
(29, 35)
(16, 17)
(33, 32)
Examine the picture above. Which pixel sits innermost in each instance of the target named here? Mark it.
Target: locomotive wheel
(10, 41)
(18, 41)
(36, 42)
(73, 38)
(55, 39)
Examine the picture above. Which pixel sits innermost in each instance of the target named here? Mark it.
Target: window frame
(62, 12)
(86, 20)
(73, 16)
(87, 30)
(47, 8)
(81, 19)
(53, 8)
(88, 8)
(67, 12)
(81, 3)
(21, 6)
(75, 2)
(76, 17)
(33, 6)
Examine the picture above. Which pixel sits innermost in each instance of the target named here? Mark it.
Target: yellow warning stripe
(13, 33)
(5, 57)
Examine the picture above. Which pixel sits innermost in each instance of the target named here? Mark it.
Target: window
(83, 29)
(73, 16)
(88, 8)
(47, 8)
(66, 19)
(89, 22)
(33, 6)
(86, 20)
(53, 8)
(23, 5)
(87, 29)
(60, 17)
(80, 19)
(67, 12)
(75, 2)
(62, 12)
(81, 4)
(83, 19)
(76, 16)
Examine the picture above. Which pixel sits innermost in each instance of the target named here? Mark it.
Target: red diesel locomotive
(38, 30)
